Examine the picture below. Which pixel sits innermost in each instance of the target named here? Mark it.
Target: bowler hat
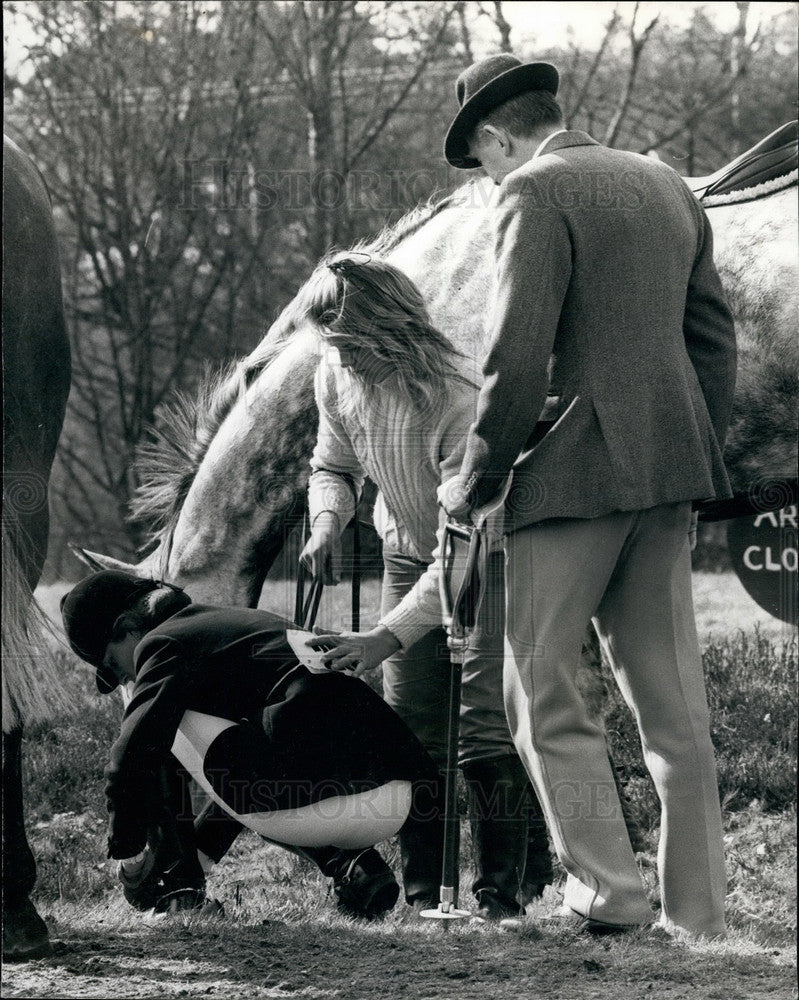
(89, 611)
(485, 85)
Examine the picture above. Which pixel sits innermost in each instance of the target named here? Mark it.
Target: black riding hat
(485, 85)
(90, 610)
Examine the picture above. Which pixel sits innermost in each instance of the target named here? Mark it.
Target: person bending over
(298, 738)
(607, 298)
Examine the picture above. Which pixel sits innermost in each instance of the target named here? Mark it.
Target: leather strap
(306, 607)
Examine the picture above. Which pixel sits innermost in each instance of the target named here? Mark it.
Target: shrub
(63, 761)
(752, 695)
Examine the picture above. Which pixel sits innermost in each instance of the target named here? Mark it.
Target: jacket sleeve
(337, 476)
(533, 254)
(709, 332)
(151, 720)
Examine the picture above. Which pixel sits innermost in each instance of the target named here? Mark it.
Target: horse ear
(97, 561)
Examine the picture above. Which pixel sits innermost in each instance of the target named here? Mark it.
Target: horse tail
(33, 689)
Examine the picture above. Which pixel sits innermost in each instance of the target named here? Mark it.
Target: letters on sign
(763, 550)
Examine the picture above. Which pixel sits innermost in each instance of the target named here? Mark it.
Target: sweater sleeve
(148, 730)
(533, 258)
(337, 476)
(420, 610)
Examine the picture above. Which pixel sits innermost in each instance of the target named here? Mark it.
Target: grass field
(282, 937)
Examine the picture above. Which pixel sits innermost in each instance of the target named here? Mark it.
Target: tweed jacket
(608, 298)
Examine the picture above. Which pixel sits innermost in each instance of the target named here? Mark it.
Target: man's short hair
(525, 114)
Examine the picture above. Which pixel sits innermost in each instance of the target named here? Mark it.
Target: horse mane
(392, 235)
(167, 464)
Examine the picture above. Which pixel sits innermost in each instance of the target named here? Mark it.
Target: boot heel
(364, 886)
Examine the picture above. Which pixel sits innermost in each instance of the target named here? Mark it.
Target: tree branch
(637, 45)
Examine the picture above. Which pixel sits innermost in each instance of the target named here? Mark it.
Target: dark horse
(36, 377)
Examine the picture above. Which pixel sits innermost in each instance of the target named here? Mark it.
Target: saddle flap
(772, 157)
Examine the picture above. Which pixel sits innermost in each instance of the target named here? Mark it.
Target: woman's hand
(356, 651)
(322, 552)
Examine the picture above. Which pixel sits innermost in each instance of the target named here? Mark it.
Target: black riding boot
(363, 884)
(176, 880)
(538, 872)
(421, 841)
(498, 807)
(176, 846)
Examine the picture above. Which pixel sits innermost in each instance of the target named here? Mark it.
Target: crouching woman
(284, 749)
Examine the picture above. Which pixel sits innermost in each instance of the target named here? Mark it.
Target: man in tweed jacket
(607, 300)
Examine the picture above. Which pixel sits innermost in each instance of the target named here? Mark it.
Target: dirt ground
(278, 960)
(281, 937)
(111, 953)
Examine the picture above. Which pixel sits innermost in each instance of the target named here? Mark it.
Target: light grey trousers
(631, 573)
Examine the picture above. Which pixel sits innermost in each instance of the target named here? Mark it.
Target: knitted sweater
(407, 455)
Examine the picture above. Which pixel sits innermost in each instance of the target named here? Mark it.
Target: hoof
(25, 934)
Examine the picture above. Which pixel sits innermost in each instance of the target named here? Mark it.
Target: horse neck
(451, 251)
(238, 511)
(249, 489)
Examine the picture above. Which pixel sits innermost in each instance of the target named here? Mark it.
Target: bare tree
(738, 59)
(691, 99)
(576, 104)
(653, 86)
(502, 26)
(145, 169)
(465, 32)
(637, 44)
(316, 44)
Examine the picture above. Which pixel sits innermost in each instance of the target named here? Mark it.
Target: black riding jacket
(302, 737)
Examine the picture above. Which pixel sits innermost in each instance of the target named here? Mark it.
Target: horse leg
(24, 932)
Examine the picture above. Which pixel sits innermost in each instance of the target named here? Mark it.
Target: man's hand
(456, 499)
(322, 552)
(356, 651)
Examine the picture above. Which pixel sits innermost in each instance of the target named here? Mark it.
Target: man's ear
(501, 137)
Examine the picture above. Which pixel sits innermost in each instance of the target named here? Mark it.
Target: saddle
(772, 158)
